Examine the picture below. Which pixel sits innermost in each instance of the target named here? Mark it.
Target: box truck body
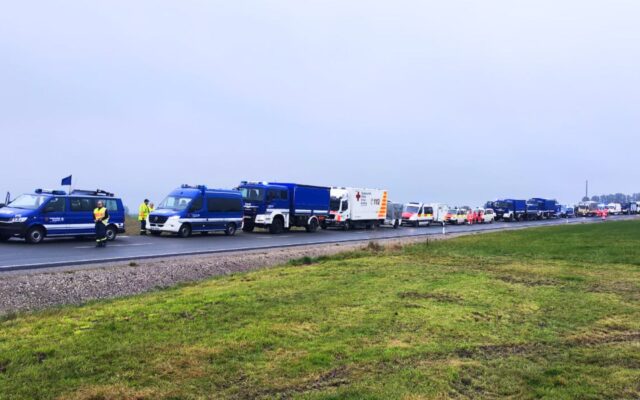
(357, 207)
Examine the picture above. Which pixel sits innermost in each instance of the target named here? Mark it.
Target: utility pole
(586, 189)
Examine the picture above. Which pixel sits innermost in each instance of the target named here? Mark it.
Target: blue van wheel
(184, 231)
(35, 235)
(230, 230)
(112, 232)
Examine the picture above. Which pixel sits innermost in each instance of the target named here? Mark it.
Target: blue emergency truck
(191, 209)
(509, 209)
(280, 206)
(54, 213)
(545, 208)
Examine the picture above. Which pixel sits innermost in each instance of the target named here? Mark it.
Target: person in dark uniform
(101, 218)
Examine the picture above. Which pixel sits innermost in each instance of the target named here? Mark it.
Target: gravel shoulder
(39, 289)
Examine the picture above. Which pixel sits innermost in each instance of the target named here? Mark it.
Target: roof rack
(51, 191)
(97, 192)
(202, 188)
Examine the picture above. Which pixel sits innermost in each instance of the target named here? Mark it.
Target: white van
(614, 208)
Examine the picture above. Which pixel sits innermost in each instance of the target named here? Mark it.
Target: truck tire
(277, 226)
(230, 230)
(312, 226)
(184, 231)
(396, 224)
(111, 233)
(248, 226)
(35, 235)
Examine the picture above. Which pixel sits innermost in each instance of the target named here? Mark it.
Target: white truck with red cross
(356, 208)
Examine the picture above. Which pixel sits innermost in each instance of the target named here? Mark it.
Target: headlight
(173, 218)
(18, 219)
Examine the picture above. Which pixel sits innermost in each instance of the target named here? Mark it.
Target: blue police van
(191, 209)
(54, 213)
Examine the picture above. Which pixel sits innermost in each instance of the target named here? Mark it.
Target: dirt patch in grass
(4, 364)
(436, 296)
(600, 338)
(333, 378)
(630, 291)
(534, 349)
(528, 281)
(469, 384)
(111, 392)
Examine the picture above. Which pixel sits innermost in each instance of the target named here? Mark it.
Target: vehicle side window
(82, 204)
(272, 195)
(284, 195)
(196, 204)
(428, 210)
(111, 205)
(223, 205)
(56, 204)
(345, 205)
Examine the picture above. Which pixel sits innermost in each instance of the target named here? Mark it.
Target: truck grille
(157, 219)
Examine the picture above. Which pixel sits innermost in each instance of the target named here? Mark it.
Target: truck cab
(587, 209)
(281, 206)
(191, 209)
(509, 209)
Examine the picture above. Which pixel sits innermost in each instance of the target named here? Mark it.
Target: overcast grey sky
(452, 101)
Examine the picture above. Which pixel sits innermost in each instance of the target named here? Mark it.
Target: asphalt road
(18, 255)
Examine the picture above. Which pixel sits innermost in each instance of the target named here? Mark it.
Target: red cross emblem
(358, 196)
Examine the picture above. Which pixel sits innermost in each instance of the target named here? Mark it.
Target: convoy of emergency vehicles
(276, 207)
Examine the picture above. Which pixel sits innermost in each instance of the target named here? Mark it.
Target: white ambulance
(356, 208)
(417, 214)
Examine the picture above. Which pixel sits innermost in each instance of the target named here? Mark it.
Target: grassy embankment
(548, 312)
(131, 225)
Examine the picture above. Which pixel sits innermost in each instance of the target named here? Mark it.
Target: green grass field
(540, 313)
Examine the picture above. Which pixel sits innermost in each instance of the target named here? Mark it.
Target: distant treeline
(614, 198)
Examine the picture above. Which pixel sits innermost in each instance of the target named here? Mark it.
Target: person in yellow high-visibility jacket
(143, 214)
(101, 218)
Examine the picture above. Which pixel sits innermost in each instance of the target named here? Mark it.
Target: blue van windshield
(177, 203)
(28, 201)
